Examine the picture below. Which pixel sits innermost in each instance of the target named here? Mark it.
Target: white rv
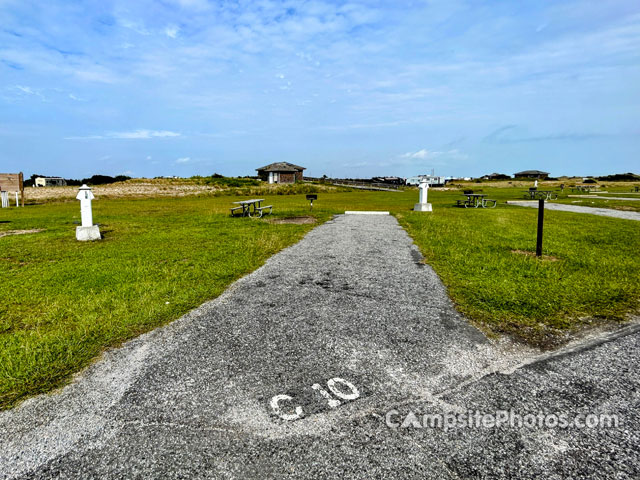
(432, 180)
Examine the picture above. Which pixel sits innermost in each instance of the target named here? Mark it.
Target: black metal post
(540, 225)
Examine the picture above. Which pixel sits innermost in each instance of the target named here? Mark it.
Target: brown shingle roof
(532, 172)
(281, 167)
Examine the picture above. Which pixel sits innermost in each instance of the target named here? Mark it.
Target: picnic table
(250, 208)
(475, 200)
(546, 194)
(585, 188)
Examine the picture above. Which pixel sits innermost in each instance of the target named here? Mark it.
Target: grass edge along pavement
(589, 275)
(46, 282)
(64, 302)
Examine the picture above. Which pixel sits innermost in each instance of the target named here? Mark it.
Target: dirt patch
(19, 232)
(550, 258)
(296, 220)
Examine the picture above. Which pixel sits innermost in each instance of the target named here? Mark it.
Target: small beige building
(281, 172)
(537, 174)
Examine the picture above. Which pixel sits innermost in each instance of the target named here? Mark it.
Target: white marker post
(88, 231)
(423, 206)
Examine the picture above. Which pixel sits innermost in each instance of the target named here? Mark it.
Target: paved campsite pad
(353, 302)
(604, 212)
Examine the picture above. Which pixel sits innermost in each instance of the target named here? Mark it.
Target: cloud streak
(513, 134)
(132, 135)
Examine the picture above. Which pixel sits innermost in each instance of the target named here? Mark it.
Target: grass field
(515, 191)
(63, 302)
(591, 272)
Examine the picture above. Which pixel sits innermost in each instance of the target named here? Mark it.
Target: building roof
(532, 172)
(281, 167)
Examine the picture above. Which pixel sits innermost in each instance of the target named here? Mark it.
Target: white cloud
(541, 27)
(424, 153)
(360, 125)
(427, 154)
(25, 90)
(171, 31)
(144, 134)
(135, 26)
(194, 4)
(183, 160)
(424, 157)
(136, 134)
(98, 74)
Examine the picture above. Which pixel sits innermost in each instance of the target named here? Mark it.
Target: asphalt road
(320, 365)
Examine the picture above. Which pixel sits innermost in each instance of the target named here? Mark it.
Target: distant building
(50, 182)
(281, 172)
(532, 174)
(496, 176)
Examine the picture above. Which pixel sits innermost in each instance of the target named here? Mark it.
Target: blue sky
(350, 89)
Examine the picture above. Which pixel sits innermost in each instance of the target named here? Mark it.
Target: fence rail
(355, 183)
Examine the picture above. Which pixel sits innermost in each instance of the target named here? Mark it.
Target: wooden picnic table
(585, 188)
(546, 194)
(475, 200)
(251, 207)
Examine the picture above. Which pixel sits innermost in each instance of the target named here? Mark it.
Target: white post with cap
(87, 231)
(423, 206)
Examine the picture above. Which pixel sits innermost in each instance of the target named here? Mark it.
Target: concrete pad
(422, 207)
(84, 234)
(364, 212)
(604, 212)
(591, 197)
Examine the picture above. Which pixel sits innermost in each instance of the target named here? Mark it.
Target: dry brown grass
(19, 232)
(163, 187)
(528, 253)
(130, 188)
(295, 220)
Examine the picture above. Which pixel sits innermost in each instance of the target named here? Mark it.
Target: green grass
(594, 273)
(63, 302)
